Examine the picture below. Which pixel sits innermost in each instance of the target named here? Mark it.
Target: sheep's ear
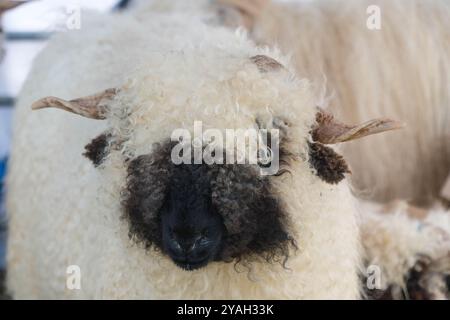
(93, 107)
(328, 130)
(98, 148)
(249, 10)
(329, 165)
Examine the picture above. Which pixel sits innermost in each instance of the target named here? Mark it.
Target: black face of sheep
(200, 213)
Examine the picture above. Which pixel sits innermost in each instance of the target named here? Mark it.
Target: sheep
(401, 70)
(411, 246)
(112, 213)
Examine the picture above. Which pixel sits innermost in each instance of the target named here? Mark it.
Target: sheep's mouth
(190, 265)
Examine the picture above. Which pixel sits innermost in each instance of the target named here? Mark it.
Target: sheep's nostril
(195, 244)
(189, 254)
(177, 245)
(188, 247)
(184, 246)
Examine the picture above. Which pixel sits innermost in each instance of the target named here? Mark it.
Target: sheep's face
(199, 213)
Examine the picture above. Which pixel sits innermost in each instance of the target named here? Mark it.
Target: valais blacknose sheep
(411, 248)
(137, 225)
(389, 57)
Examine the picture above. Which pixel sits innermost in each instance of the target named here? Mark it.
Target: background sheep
(411, 246)
(77, 213)
(401, 71)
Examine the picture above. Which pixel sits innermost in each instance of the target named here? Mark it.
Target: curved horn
(329, 131)
(89, 107)
(9, 4)
(265, 63)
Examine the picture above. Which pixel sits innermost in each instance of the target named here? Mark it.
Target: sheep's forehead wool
(182, 87)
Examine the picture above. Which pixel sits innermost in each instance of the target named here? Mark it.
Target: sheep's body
(401, 71)
(410, 246)
(64, 212)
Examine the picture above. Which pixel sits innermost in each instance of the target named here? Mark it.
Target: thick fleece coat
(176, 70)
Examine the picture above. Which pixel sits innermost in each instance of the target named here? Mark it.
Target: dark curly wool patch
(418, 286)
(256, 224)
(418, 281)
(330, 166)
(147, 185)
(97, 149)
(255, 221)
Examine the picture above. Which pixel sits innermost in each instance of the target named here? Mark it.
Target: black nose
(191, 252)
(186, 245)
(192, 228)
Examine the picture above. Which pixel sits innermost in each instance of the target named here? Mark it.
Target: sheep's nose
(190, 253)
(186, 245)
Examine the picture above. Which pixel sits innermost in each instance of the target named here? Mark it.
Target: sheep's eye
(205, 234)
